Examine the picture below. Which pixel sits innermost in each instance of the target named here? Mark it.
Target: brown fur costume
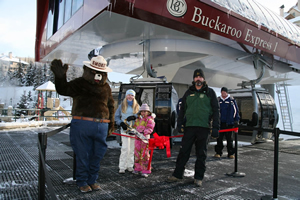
(90, 98)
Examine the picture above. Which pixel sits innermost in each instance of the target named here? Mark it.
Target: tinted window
(68, 10)
(50, 23)
(61, 12)
(76, 5)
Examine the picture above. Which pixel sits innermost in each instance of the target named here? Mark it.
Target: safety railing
(43, 173)
(44, 177)
(276, 132)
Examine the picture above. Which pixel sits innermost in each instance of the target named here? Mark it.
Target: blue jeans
(88, 140)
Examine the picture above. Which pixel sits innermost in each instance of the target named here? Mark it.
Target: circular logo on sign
(177, 8)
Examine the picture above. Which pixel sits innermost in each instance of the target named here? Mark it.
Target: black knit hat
(198, 72)
(225, 89)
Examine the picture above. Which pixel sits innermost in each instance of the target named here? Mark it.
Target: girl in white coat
(127, 110)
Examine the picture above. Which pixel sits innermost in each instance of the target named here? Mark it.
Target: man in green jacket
(199, 114)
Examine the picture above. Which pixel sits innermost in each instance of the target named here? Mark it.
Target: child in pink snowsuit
(143, 124)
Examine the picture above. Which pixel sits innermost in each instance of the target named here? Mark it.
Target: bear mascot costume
(93, 116)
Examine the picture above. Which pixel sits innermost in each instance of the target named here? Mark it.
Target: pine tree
(21, 79)
(29, 77)
(2, 73)
(3, 78)
(37, 76)
(51, 76)
(9, 78)
(74, 72)
(31, 103)
(18, 76)
(23, 104)
(44, 74)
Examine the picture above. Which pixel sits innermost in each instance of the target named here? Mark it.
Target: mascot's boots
(95, 186)
(85, 189)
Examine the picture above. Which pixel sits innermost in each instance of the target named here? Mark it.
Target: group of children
(134, 155)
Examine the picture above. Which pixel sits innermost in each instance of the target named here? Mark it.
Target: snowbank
(32, 124)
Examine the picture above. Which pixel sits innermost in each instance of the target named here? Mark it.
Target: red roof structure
(174, 36)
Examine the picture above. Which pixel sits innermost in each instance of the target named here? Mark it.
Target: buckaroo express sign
(209, 18)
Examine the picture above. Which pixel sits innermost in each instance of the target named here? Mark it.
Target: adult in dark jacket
(199, 108)
(93, 116)
(229, 117)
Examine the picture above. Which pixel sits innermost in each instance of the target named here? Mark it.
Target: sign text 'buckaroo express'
(217, 25)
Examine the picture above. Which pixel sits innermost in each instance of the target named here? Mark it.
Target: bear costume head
(95, 71)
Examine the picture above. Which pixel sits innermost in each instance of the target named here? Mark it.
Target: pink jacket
(145, 125)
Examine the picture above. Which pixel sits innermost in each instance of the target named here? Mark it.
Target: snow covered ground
(25, 124)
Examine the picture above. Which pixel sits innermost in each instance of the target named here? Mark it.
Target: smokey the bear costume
(93, 116)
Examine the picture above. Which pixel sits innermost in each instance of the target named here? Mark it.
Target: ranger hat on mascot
(98, 64)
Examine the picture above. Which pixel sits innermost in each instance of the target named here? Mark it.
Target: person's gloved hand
(180, 129)
(58, 69)
(110, 128)
(215, 133)
(236, 123)
(123, 125)
(132, 117)
(130, 133)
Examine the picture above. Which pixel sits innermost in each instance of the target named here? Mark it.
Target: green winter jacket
(199, 108)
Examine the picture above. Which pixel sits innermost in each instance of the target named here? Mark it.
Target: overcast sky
(18, 24)
(17, 27)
